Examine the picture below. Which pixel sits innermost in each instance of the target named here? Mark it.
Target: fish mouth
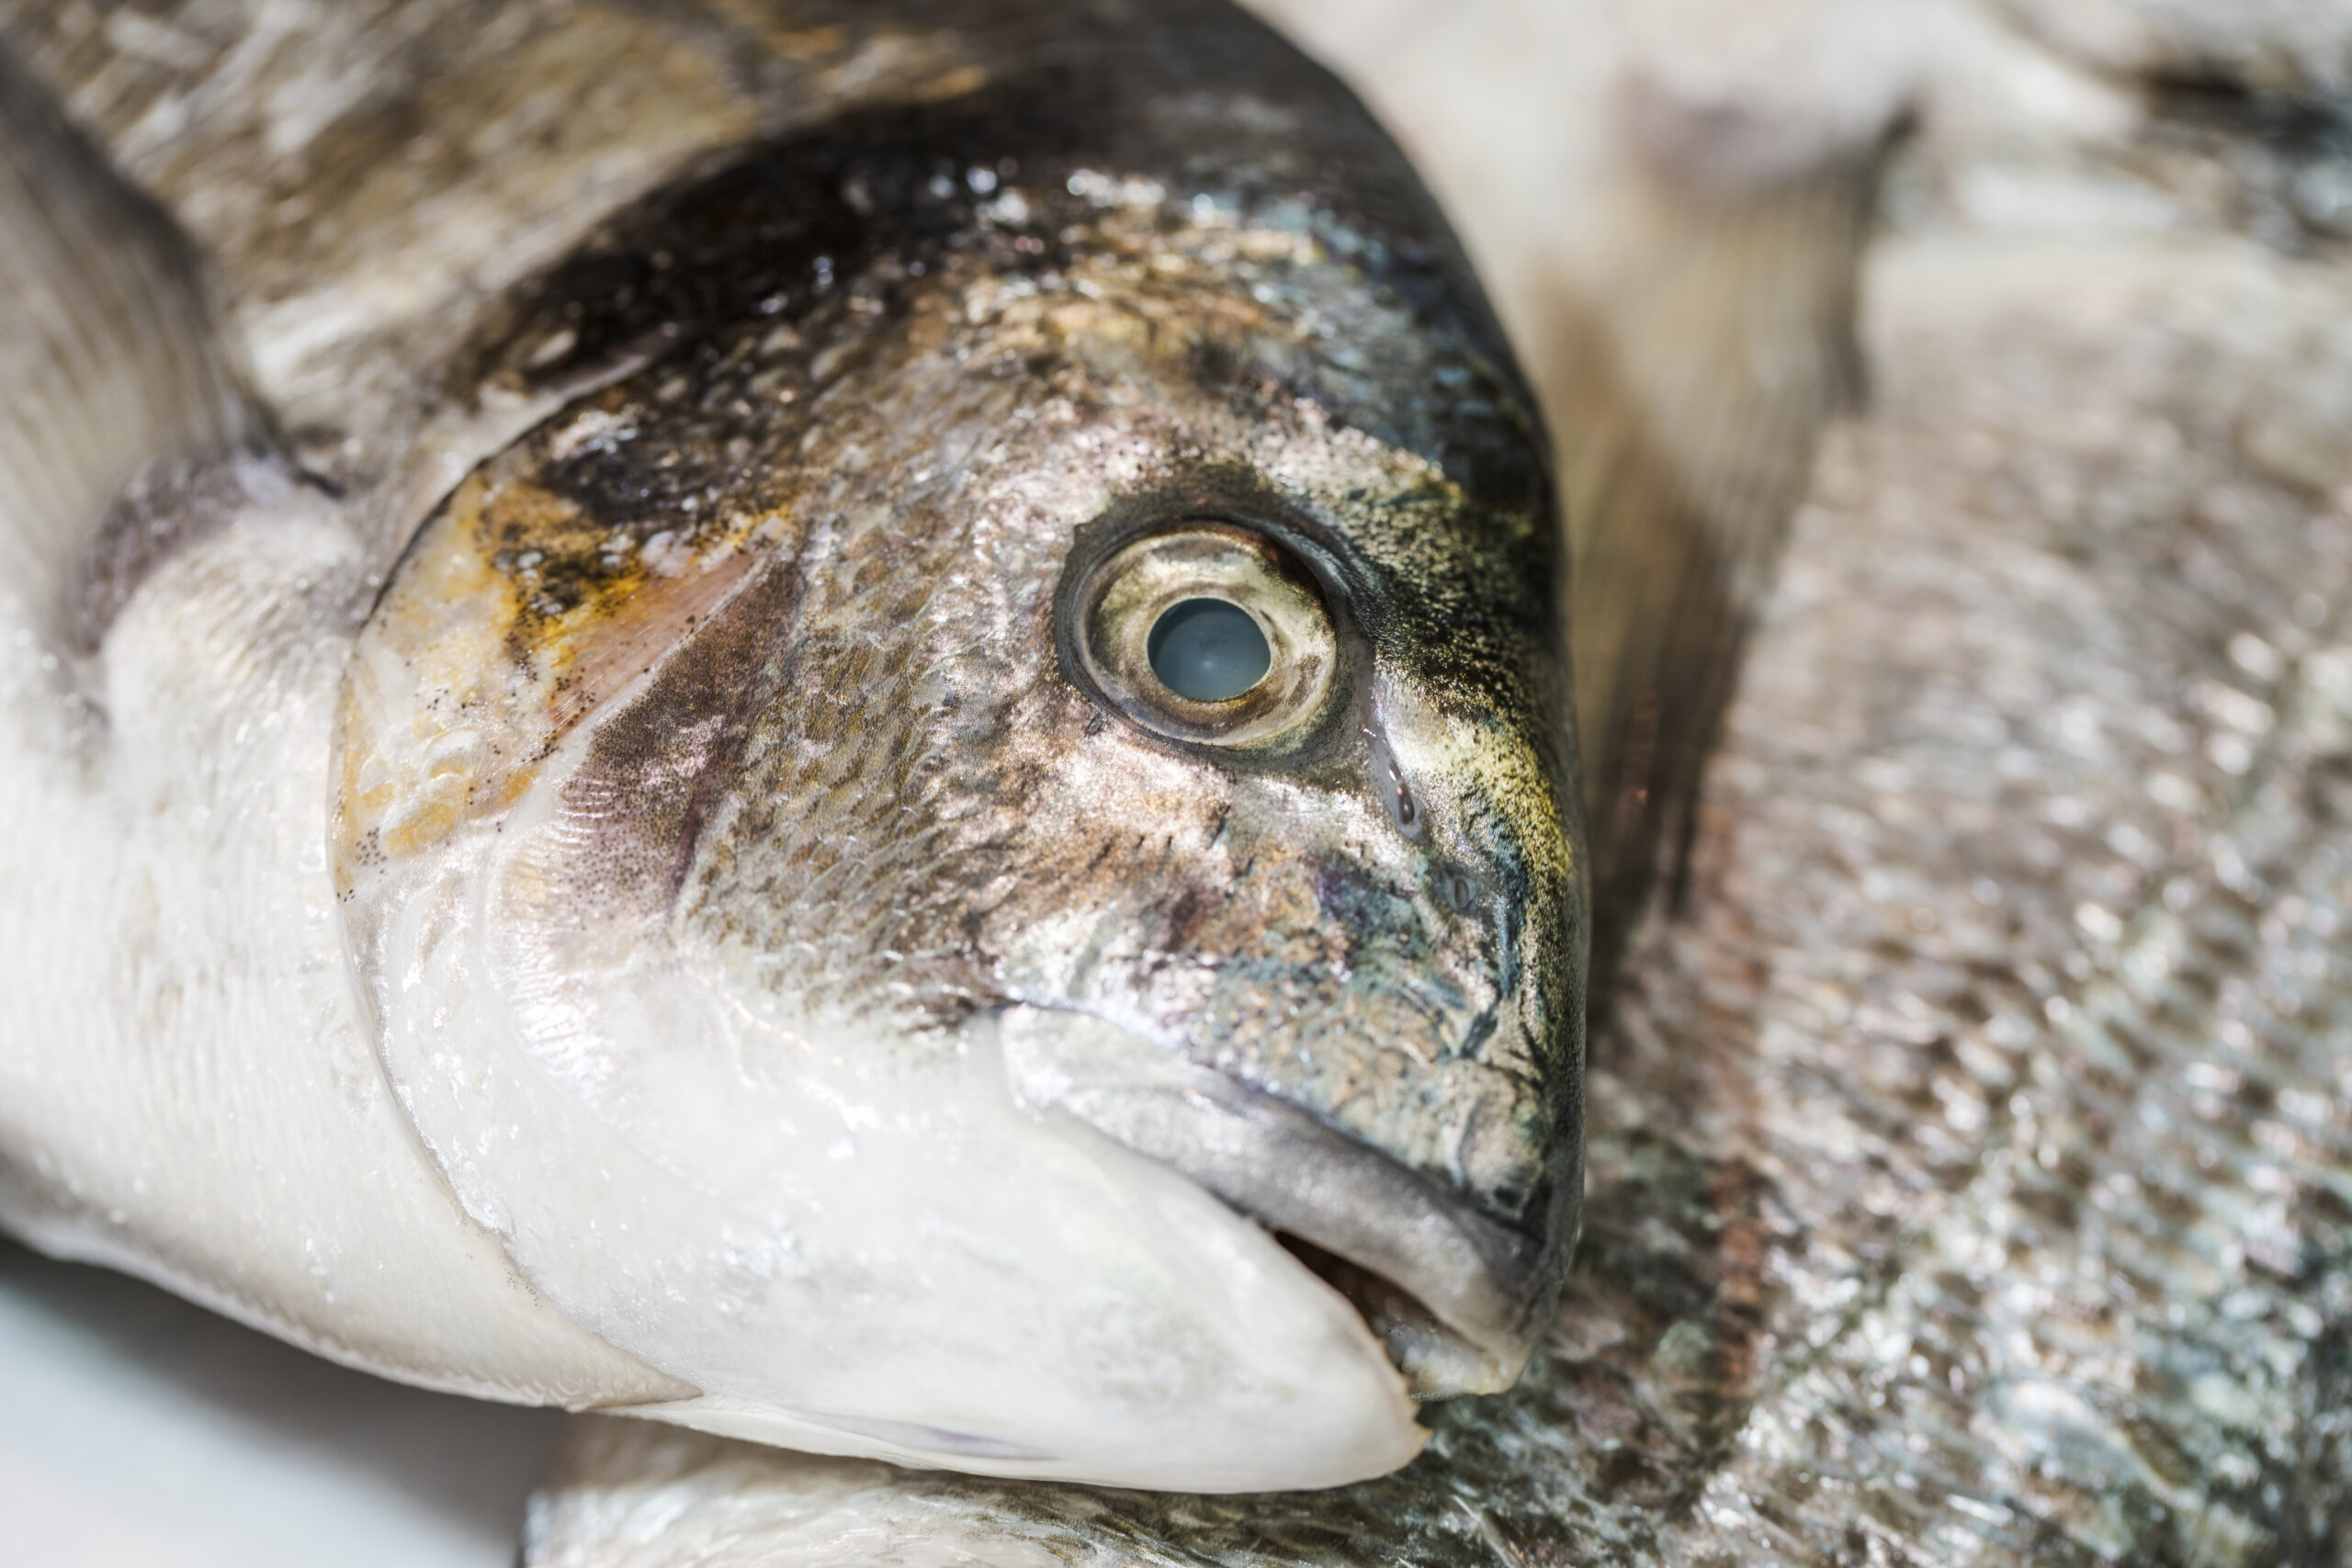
(1459, 1298)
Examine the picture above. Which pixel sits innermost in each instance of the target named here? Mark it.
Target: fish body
(605, 822)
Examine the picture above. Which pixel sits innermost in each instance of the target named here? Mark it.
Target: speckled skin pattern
(1969, 1174)
(1971, 1170)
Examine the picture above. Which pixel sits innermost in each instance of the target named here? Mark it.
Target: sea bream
(844, 723)
(1969, 1168)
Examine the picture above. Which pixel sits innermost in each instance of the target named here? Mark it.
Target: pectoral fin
(110, 367)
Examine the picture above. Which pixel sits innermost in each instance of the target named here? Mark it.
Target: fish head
(979, 860)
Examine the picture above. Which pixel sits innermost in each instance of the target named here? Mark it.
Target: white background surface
(137, 1431)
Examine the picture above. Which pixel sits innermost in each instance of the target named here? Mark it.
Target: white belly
(186, 1089)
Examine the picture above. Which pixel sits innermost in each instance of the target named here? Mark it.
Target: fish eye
(1208, 633)
(1209, 651)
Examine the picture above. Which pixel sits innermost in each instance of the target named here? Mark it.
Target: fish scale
(1907, 1215)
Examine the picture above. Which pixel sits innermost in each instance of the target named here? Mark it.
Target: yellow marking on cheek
(953, 83)
(809, 43)
(518, 614)
(427, 700)
(424, 827)
(511, 788)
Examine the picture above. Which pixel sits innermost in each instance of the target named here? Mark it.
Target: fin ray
(1702, 353)
(108, 359)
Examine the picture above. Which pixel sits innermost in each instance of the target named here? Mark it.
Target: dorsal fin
(1705, 341)
(109, 363)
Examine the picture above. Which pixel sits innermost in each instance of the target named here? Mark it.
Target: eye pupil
(1209, 650)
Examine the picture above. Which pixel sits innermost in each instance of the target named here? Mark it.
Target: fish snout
(1458, 1296)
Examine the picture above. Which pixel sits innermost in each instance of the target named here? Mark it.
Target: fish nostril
(1209, 651)
(1461, 891)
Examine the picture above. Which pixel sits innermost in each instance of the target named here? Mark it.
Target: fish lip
(1459, 1298)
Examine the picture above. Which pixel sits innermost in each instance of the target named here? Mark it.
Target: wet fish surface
(1970, 1156)
(614, 821)
(1968, 1171)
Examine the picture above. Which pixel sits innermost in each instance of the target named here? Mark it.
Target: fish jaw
(1409, 990)
(903, 1264)
(1460, 1300)
(838, 1226)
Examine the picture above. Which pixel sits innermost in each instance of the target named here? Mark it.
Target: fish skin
(121, 772)
(681, 792)
(1969, 1158)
